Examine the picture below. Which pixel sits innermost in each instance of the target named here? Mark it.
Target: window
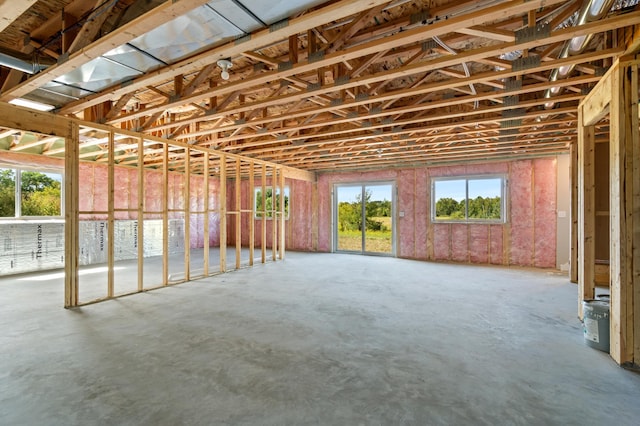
(468, 199)
(29, 193)
(268, 202)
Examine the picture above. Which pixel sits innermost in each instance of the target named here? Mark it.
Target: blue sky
(477, 187)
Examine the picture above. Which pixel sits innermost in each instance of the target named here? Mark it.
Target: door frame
(334, 216)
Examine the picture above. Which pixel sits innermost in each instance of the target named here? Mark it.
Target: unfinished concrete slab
(316, 339)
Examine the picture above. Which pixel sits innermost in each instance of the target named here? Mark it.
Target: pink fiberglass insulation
(100, 189)
(496, 245)
(153, 193)
(441, 240)
(133, 193)
(86, 186)
(481, 169)
(446, 171)
(459, 242)
(214, 230)
(196, 193)
(479, 243)
(544, 172)
(405, 203)
(196, 227)
(421, 214)
(299, 226)
(180, 198)
(324, 212)
(120, 190)
(521, 217)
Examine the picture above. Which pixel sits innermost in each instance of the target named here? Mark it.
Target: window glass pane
(40, 193)
(449, 196)
(286, 201)
(7, 193)
(485, 198)
(269, 202)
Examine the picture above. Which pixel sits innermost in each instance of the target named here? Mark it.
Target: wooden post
(238, 214)
(274, 215)
(140, 235)
(282, 216)
(206, 214)
(71, 216)
(623, 205)
(635, 142)
(586, 211)
(223, 213)
(263, 241)
(252, 231)
(165, 214)
(634, 127)
(187, 214)
(111, 221)
(575, 242)
(314, 215)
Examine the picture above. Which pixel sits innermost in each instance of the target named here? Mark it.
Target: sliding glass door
(363, 219)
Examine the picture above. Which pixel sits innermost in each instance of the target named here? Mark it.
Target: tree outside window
(468, 199)
(38, 194)
(269, 200)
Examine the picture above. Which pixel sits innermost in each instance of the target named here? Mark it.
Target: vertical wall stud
(586, 211)
(223, 213)
(274, 215)
(263, 223)
(165, 214)
(71, 216)
(238, 209)
(252, 231)
(206, 213)
(187, 214)
(140, 212)
(282, 216)
(111, 222)
(573, 260)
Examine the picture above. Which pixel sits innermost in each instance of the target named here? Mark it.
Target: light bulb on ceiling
(225, 64)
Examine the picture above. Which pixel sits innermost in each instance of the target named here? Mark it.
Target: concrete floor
(93, 278)
(319, 339)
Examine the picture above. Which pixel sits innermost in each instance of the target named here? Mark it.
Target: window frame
(18, 192)
(467, 220)
(257, 213)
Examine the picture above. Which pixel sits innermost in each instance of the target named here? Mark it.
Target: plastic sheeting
(28, 247)
(31, 247)
(94, 239)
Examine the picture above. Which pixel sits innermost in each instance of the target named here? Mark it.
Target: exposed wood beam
(259, 39)
(10, 10)
(91, 27)
(559, 35)
(151, 20)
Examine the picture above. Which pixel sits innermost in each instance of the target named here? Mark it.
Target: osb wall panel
(528, 238)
